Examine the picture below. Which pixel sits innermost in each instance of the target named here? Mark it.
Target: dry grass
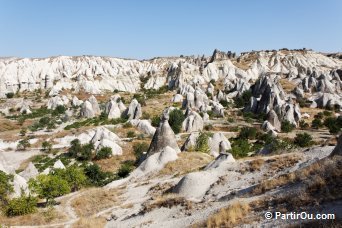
(186, 163)
(42, 217)
(311, 111)
(287, 85)
(168, 201)
(229, 216)
(321, 181)
(255, 165)
(282, 162)
(95, 200)
(90, 222)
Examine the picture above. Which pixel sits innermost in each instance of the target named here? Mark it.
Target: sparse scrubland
(214, 141)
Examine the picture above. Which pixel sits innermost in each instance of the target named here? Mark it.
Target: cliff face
(96, 74)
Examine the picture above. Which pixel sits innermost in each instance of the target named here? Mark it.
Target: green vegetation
(333, 124)
(73, 175)
(96, 176)
(49, 187)
(47, 146)
(125, 169)
(130, 134)
(139, 149)
(316, 123)
(6, 187)
(202, 143)
(286, 126)
(23, 144)
(103, 153)
(303, 124)
(247, 133)
(240, 148)
(243, 99)
(81, 152)
(21, 206)
(9, 95)
(155, 121)
(96, 121)
(303, 140)
(176, 118)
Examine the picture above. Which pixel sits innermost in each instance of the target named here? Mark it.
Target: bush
(23, 132)
(96, 176)
(155, 121)
(176, 118)
(130, 134)
(247, 133)
(73, 175)
(333, 124)
(240, 148)
(46, 146)
(125, 169)
(23, 144)
(6, 188)
(139, 149)
(316, 123)
(286, 126)
(202, 143)
(303, 140)
(243, 99)
(303, 124)
(9, 95)
(49, 187)
(103, 153)
(21, 206)
(81, 152)
(60, 109)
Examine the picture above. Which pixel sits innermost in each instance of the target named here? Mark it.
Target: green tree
(86, 152)
(317, 123)
(75, 148)
(176, 118)
(139, 149)
(10, 95)
(240, 148)
(103, 153)
(49, 187)
(96, 176)
(74, 175)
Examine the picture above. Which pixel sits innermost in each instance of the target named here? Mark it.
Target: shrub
(303, 124)
(125, 169)
(103, 153)
(80, 152)
(240, 148)
(6, 188)
(60, 109)
(23, 132)
(316, 123)
(86, 152)
(96, 176)
(176, 118)
(46, 146)
(22, 205)
(73, 175)
(303, 140)
(286, 126)
(243, 99)
(139, 149)
(49, 187)
(23, 144)
(9, 95)
(202, 143)
(247, 133)
(155, 121)
(130, 134)
(208, 127)
(333, 124)
(127, 125)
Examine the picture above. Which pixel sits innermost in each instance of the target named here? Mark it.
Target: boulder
(190, 142)
(76, 102)
(220, 161)
(95, 105)
(87, 110)
(144, 126)
(177, 98)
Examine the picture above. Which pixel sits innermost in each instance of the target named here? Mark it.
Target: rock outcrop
(193, 122)
(163, 137)
(134, 110)
(338, 149)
